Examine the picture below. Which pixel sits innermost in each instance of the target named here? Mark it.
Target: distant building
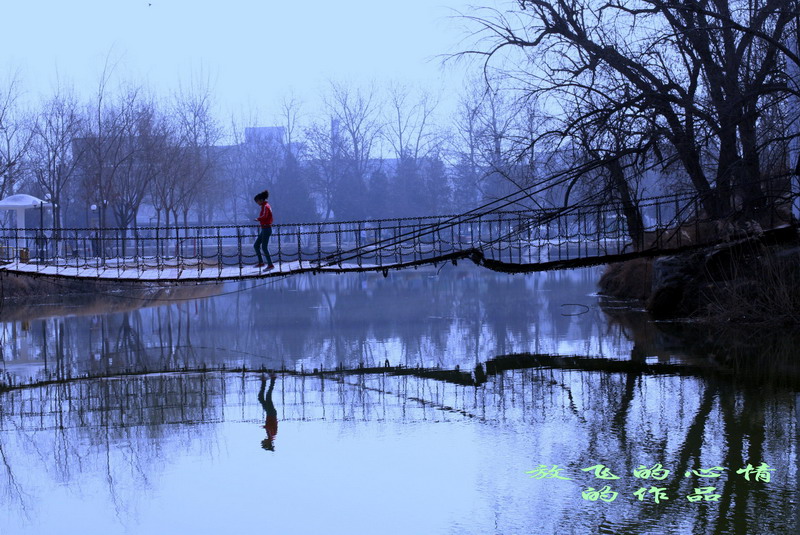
(265, 134)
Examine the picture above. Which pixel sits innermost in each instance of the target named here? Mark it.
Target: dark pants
(266, 401)
(261, 244)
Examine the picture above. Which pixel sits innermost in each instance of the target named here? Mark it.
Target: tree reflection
(419, 318)
(683, 397)
(118, 429)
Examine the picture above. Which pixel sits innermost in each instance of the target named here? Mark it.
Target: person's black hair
(263, 196)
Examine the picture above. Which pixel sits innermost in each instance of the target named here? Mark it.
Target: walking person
(265, 219)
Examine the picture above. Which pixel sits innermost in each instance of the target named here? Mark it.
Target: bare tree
(490, 126)
(357, 113)
(53, 160)
(464, 148)
(15, 136)
(418, 186)
(291, 115)
(355, 129)
(292, 185)
(409, 125)
(701, 72)
(146, 132)
(323, 143)
(172, 169)
(497, 119)
(106, 145)
(198, 134)
(252, 164)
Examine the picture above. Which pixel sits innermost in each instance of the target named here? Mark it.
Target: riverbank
(25, 297)
(755, 354)
(748, 281)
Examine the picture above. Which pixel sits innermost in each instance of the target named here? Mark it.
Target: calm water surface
(612, 424)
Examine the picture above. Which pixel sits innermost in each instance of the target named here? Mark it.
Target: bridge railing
(369, 242)
(530, 237)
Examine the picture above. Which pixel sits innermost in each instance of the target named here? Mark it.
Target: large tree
(696, 77)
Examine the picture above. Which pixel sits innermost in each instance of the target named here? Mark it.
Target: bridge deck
(189, 272)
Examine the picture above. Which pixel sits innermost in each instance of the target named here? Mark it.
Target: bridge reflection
(124, 430)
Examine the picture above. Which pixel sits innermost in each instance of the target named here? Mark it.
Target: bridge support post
(299, 248)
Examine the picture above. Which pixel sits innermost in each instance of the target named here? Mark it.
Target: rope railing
(582, 231)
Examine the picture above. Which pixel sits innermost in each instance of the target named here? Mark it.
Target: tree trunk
(633, 216)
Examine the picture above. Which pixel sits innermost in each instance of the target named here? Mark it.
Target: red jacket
(271, 426)
(265, 217)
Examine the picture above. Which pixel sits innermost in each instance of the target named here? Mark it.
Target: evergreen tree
(408, 192)
(436, 187)
(291, 194)
(379, 203)
(350, 198)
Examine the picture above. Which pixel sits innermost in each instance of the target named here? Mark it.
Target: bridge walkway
(510, 241)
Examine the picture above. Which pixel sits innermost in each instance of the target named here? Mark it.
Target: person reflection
(271, 423)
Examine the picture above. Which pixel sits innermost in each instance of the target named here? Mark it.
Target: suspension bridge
(504, 240)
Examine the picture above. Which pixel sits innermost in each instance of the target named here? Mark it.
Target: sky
(253, 53)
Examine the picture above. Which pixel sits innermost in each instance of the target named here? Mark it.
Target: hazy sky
(253, 51)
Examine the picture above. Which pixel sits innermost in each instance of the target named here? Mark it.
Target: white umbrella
(21, 202)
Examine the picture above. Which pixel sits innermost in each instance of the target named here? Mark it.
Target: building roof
(22, 201)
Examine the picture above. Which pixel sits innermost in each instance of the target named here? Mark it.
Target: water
(160, 447)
